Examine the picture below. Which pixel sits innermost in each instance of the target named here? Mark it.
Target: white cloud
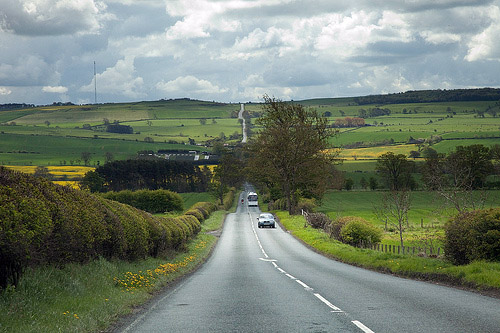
(52, 17)
(485, 45)
(199, 17)
(119, 80)
(5, 91)
(440, 37)
(189, 85)
(56, 89)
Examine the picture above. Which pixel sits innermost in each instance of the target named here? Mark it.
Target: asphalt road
(263, 280)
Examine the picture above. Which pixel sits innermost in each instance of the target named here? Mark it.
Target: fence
(420, 251)
(386, 248)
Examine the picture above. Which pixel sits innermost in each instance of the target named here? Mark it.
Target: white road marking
(264, 259)
(290, 276)
(362, 327)
(330, 305)
(281, 270)
(304, 285)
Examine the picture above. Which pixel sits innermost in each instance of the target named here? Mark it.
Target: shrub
(473, 236)
(157, 201)
(318, 220)
(306, 204)
(357, 231)
(43, 223)
(229, 199)
(196, 213)
(334, 228)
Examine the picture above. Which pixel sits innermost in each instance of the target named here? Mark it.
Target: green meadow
(50, 135)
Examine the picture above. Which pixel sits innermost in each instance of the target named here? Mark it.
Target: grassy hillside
(57, 135)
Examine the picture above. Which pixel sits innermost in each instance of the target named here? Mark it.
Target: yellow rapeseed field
(60, 170)
(70, 171)
(374, 152)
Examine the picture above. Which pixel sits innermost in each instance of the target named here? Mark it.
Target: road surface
(263, 280)
(243, 123)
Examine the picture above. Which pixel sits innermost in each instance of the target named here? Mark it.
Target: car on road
(266, 220)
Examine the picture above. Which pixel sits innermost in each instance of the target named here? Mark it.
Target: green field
(50, 135)
(427, 215)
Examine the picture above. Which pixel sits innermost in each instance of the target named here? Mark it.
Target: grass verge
(482, 276)
(91, 297)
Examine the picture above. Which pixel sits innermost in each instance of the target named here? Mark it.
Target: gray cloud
(238, 50)
(38, 18)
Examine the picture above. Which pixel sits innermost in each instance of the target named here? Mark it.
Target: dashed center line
(362, 327)
(334, 308)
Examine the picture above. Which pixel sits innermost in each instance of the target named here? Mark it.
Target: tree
(290, 150)
(396, 171)
(203, 121)
(348, 184)
(455, 176)
(85, 157)
(394, 211)
(227, 173)
(373, 183)
(414, 154)
(109, 157)
(43, 172)
(363, 183)
(92, 182)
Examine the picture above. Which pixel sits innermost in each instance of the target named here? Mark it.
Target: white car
(266, 220)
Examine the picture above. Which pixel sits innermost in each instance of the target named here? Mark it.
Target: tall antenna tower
(95, 86)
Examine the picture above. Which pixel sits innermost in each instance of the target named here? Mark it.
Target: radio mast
(95, 86)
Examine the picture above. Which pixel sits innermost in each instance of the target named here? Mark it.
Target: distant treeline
(432, 96)
(14, 106)
(148, 174)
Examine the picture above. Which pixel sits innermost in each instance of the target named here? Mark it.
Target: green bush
(335, 227)
(357, 231)
(229, 199)
(43, 223)
(306, 204)
(157, 201)
(473, 236)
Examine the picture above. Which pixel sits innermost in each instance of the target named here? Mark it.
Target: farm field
(55, 135)
(427, 209)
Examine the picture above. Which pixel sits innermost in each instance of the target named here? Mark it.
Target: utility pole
(95, 85)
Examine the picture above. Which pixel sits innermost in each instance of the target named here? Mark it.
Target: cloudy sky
(239, 50)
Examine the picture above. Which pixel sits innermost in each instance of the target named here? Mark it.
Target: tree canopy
(291, 150)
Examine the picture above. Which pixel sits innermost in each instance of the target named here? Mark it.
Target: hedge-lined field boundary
(43, 223)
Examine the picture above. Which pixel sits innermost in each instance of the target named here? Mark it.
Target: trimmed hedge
(473, 236)
(229, 199)
(44, 223)
(157, 201)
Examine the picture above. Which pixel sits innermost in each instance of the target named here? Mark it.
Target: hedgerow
(157, 201)
(473, 236)
(43, 223)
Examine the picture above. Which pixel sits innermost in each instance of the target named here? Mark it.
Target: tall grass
(91, 297)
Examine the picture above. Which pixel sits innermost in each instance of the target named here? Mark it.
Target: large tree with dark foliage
(228, 173)
(290, 150)
(396, 170)
(152, 174)
(455, 176)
